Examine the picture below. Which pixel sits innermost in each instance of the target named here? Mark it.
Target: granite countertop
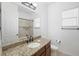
(23, 50)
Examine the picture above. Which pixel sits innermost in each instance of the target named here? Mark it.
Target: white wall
(0, 30)
(69, 38)
(43, 14)
(25, 14)
(9, 23)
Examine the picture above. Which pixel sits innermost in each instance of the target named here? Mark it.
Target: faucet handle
(27, 35)
(31, 37)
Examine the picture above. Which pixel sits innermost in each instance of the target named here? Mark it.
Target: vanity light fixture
(31, 5)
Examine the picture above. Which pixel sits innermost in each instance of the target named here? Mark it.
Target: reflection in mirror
(36, 27)
(37, 23)
(29, 27)
(25, 27)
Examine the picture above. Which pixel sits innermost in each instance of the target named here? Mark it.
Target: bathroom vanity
(22, 49)
(44, 51)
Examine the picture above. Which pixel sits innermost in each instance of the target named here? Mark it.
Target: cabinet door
(40, 52)
(9, 22)
(48, 51)
(43, 54)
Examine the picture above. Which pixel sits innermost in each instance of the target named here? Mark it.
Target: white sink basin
(34, 45)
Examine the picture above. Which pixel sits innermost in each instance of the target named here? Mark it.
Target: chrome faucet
(30, 38)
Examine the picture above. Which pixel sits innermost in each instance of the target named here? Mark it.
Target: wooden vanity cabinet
(40, 52)
(48, 49)
(44, 51)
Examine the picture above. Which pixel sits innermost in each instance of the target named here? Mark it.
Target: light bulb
(35, 4)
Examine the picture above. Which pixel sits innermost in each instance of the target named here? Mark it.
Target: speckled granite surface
(23, 50)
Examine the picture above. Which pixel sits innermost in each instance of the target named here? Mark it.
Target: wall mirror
(25, 27)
